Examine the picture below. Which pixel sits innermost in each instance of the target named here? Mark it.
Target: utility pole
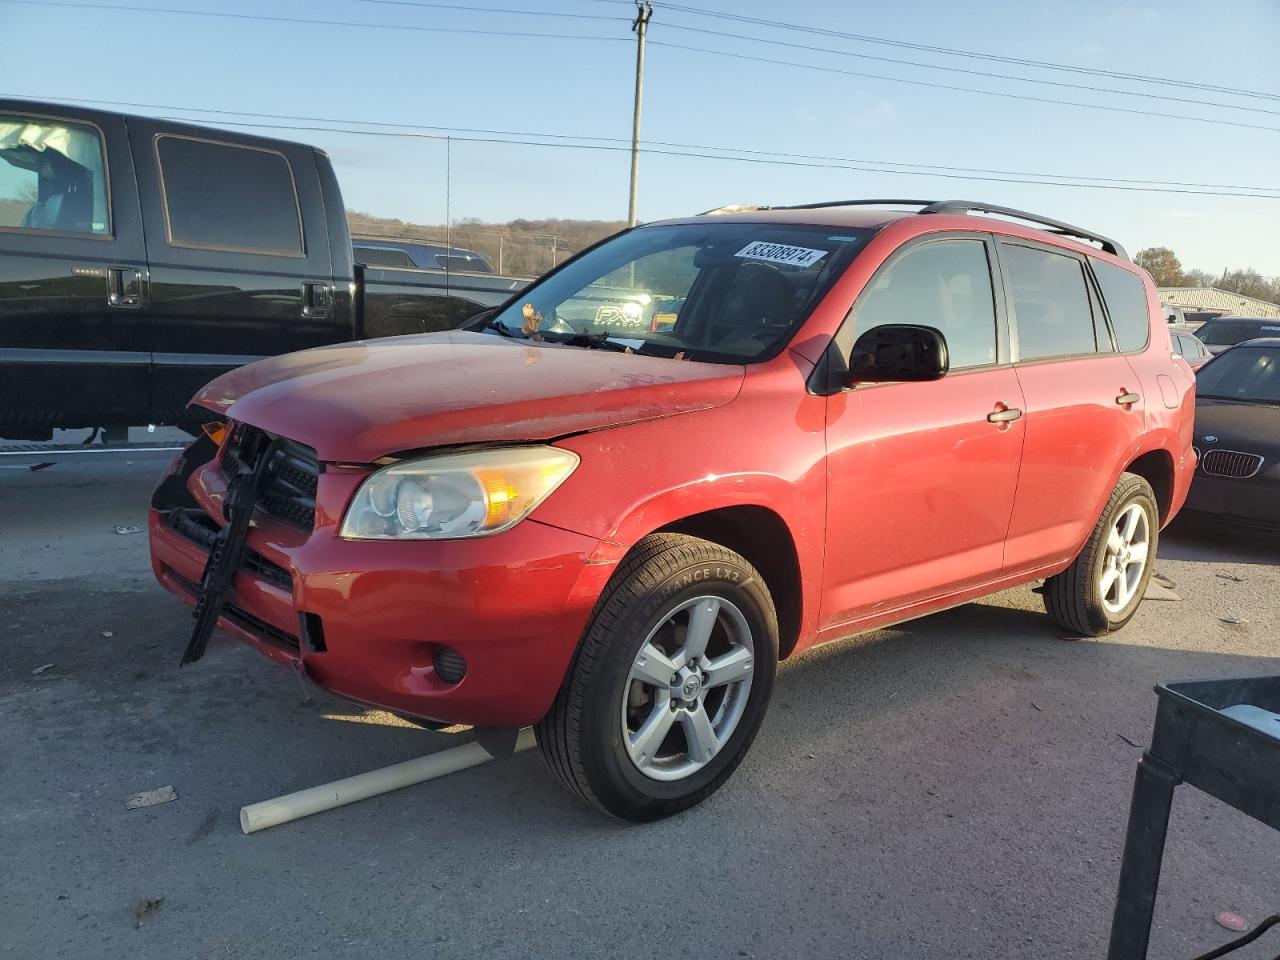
(644, 10)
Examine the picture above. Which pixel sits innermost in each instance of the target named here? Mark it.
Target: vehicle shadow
(1191, 538)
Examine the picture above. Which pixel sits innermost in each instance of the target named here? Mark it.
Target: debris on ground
(1073, 639)
(149, 798)
(1164, 581)
(1234, 621)
(1231, 920)
(108, 634)
(1230, 576)
(145, 906)
(41, 466)
(1039, 709)
(1128, 741)
(41, 669)
(1159, 588)
(125, 530)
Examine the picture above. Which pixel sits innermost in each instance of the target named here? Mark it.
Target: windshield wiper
(493, 323)
(592, 341)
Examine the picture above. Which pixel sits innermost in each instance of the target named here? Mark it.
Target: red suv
(824, 419)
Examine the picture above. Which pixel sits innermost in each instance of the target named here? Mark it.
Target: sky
(408, 62)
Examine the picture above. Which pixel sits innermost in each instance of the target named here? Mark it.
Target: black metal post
(1143, 853)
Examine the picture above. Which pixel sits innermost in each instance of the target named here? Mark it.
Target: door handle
(1004, 415)
(316, 298)
(124, 287)
(1127, 398)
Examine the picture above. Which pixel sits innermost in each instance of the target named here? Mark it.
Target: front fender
(635, 479)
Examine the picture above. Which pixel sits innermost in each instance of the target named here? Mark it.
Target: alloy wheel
(687, 688)
(1125, 558)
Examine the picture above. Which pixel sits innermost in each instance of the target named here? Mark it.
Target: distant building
(1211, 298)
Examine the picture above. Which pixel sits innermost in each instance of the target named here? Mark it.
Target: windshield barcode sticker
(781, 253)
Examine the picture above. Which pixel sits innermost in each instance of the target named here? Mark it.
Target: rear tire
(670, 684)
(1102, 589)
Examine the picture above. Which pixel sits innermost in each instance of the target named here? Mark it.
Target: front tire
(670, 684)
(1103, 588)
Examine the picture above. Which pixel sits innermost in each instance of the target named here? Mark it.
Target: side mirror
(898, 353)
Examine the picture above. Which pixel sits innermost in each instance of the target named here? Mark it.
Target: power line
(526, 34)
(964, 70)
(473, 9)
(737, 159)
(443, 132)
(114, 7)
(957, 52)
(946, 86)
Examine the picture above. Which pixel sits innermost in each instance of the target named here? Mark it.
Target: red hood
(356, 402)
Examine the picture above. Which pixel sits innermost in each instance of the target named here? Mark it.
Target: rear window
(382, 257)
(1050, 302)
(1227, 332)
(1126, 299)
(226, 197)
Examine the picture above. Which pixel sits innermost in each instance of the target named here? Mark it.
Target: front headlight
(456, 495)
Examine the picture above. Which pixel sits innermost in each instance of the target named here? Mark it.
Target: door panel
(920, 488)
(920, 483)
(72, 354)
(1078, 434)
(238, 251)
(1077, 437)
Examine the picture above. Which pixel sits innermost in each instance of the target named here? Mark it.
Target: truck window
(382, 257)
(52, 176)
(1050, 303)
(220, 196)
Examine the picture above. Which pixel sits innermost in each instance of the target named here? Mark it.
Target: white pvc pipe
(293, 806)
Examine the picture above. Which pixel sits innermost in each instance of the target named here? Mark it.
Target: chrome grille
(1230, 463)
(288, 490)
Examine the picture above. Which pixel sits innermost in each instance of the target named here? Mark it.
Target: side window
(224, 197)
(1181, 347)
(1126, 303)
(52, 176)
(382, 257)
(1050, 303)
(944, 284)
(466, 264)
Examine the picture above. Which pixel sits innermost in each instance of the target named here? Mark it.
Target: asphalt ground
(953, 787)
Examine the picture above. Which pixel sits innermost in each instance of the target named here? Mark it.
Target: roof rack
(856, 203)
(1055, 226)
(973, 206)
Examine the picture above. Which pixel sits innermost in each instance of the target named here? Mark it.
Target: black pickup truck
(140, 258)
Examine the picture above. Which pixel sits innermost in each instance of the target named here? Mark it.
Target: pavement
(954, 787)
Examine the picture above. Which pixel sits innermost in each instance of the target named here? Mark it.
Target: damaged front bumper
(370, 620)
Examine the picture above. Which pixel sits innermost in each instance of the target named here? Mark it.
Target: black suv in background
(410, 252)
(1223, 332)
(141, 258)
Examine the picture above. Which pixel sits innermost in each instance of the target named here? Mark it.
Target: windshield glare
(717, 291)
(1242, 373)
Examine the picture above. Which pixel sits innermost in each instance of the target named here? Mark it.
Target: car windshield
(714, 290)
(1224, 333)
(1249, 374)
